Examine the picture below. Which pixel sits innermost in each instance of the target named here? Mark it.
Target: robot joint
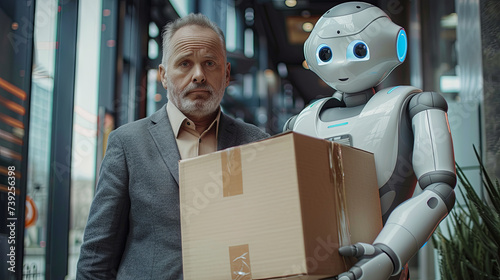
(425, 101)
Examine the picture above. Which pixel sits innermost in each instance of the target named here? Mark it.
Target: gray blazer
(133, 230)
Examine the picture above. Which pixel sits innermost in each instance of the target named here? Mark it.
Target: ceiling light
(307, 26)
(249, 14)
(449, 21)
(153, 30)
(291, 3)
(282, 70)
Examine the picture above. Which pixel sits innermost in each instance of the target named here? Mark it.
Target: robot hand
(373, 264)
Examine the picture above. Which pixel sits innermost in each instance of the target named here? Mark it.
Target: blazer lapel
(226, 137)
(164, 138)
(161, 131)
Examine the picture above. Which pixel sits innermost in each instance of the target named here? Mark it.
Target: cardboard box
(278, 208)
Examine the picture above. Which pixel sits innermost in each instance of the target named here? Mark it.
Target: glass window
(182, 7)
(451, 55)
(83, 166)
(231, 25)
(249, 44)
(39, 142)
(447, 63)
(155, 99)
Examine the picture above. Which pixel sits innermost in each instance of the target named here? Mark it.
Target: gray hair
(191, 19)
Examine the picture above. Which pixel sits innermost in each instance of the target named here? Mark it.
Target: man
(133, 231)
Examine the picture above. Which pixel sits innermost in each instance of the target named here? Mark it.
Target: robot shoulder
(425, 101)
(392, 98)
(305, 121)
(290, 123)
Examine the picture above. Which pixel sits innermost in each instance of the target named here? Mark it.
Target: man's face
(196, 73)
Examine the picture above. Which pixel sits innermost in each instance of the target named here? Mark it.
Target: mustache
(192, 87)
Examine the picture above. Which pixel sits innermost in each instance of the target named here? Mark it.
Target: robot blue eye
(402, 45)
(358, 51)
(323, 54)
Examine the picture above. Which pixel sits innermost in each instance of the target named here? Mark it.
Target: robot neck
(353, 99)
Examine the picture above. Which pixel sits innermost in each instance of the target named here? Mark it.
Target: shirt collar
(177, 118)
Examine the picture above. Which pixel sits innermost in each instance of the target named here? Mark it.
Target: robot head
(354, 46)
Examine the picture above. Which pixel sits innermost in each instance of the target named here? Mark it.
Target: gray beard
(195, 108)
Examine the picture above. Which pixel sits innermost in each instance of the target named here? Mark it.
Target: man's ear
(228, 73)
(163, 75)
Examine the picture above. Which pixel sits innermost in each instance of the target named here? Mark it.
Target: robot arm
(412, 223)
(288, 126)
(433, 159)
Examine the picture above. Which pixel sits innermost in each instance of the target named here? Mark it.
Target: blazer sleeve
(107, 228)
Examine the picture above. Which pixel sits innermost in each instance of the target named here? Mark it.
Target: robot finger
(346, 276)
(359, 250)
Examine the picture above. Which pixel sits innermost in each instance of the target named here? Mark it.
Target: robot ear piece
(401, 45)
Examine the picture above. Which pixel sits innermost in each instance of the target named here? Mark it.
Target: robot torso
(381, 126)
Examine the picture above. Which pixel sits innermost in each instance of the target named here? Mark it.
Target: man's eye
(210, 63)
(184, 64)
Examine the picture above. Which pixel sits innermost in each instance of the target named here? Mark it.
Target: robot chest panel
(369, 130)
(358, 132)
(373, 127)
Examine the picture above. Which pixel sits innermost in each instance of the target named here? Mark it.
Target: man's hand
(373, 263)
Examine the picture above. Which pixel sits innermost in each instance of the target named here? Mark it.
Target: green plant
(468, 246)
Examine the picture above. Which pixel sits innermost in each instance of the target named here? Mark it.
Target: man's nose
(198, 74)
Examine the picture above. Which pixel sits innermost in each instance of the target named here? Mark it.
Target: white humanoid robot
(353, 47)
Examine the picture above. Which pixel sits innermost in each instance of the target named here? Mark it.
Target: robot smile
(343, 79)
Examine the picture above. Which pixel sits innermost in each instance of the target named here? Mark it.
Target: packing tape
(232, 180)
(239, 257)
(337, 178)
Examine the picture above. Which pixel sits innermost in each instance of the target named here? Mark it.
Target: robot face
(354, 46)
